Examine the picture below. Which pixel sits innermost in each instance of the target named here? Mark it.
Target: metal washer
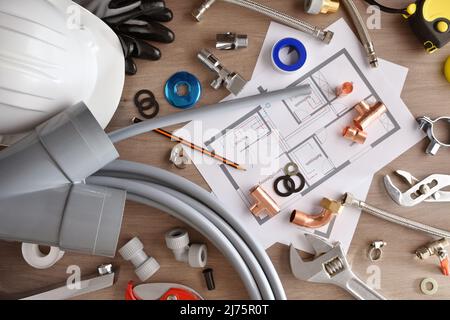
(424, 286)
(287, 169)
(194, 90)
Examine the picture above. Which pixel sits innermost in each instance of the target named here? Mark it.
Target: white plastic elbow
(195, 255)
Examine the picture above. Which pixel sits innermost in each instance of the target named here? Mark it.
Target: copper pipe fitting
(344, 89)
(367, 115)
(330, 208)
(263, 202)
(362, 108)
(355, 135)
(305, 220)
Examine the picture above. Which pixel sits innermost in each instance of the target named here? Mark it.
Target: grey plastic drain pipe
(48, 194)
(43, 199)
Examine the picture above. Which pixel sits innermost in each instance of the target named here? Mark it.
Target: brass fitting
(332, 205)
(321, 6)
(263, 202)
(432, 249)
(330, 208)
(355, 135)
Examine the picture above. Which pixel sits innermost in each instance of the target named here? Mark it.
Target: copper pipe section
(366, 117)
(264, 203)
(355, 135)
(305, 220)
(330, 208)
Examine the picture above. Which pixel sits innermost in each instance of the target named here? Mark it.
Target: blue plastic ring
(194, 90)
(297, 46)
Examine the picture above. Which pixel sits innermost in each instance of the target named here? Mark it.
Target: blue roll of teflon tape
(293, 44)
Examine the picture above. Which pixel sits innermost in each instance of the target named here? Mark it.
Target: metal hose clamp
(427, 125)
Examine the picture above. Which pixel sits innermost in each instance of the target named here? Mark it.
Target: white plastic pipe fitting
(195, 255)
(145, 266)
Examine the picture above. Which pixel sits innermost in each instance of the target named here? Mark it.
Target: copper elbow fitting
(305, 220)
(368, 114)
(355, 134)
(264, 202)
(330, 208)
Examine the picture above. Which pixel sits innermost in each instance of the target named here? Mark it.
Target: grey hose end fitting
(43, 196)
(196, 255)
(133, 251)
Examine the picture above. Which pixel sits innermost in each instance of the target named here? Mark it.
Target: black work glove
(134, 22)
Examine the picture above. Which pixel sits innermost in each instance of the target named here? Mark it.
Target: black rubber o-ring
(138, 101)
(302, 183)
(146, 103)
(155, 107)
(290, 188)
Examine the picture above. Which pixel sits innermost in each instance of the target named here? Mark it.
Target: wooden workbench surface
(426, 93)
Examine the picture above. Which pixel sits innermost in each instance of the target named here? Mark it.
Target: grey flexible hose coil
(195, 206)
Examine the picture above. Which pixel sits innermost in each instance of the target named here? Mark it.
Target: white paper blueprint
(308, 132)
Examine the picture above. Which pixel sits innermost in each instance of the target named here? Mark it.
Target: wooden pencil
(194, 147)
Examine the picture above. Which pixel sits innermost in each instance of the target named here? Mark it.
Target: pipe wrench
(330, 266)
(428, 190)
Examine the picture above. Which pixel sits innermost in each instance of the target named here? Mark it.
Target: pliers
(428, 189)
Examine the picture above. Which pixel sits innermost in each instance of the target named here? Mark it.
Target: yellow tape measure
(429, 20)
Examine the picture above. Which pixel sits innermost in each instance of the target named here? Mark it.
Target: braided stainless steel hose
(350, 201)
(324, 35)
(362, 31)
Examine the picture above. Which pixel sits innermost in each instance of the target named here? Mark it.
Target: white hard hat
(53, 54)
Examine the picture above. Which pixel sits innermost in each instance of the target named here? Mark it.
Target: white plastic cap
(177, 239)
(197, 255)
(147, 269)
(131, 248)
(313, 6)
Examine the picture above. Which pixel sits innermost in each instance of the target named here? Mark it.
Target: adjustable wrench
(330, 266)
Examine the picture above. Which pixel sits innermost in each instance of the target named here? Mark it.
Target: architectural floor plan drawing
(304, 130)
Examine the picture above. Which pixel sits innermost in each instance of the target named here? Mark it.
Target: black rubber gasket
(300, 187)
(138, 102)
(286, 180)
(154, 107)
(146, 103)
